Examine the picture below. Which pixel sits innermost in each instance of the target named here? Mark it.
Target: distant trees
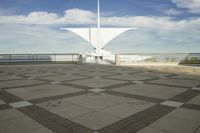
(192, 60)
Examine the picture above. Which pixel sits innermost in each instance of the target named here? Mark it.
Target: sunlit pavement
(94, 98)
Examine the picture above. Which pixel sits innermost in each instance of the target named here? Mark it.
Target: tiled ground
(103, 99)
(149, 90)
(34, 92)
(13, 121)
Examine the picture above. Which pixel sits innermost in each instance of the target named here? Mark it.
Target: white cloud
(154, 32)
(138, 21)
(78, 16)
(84, 17)
(172, 12)
(192, 5)
(72, 16)
(39, 39)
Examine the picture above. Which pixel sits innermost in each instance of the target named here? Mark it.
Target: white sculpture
(98, 37)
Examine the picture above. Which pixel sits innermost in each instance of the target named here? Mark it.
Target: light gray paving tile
(152, 130)
(20, 104)
(39, 74)
(18, 125)
(56, 82)
(157, 74)
(156, 91)
(96, 77)
(41, 130)
(187, 114)
(96, 83)
(177, 82)
(62, 77)
(42, 91)
(95, 120)
(3, 74)
(9, 114)
(95, 73)
(96, 104)
(163, 77)
(30, 78)
(172, 103)
(176, 125)
(195, 100)
(71, 111)
(195, 77)
(124, 72)
(17, 83)
(137, 104)
(6, 127)
(86, 97)
(25, 123)
(128, 108)
(97, 90)
(137, 82)
(114, 99)
(56, 104)
(130, 77)
(9, 77)
(119, 111)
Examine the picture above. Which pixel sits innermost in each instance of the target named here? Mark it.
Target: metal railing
(167, 58)
(38, 58)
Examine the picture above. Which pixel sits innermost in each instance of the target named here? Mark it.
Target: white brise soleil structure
(98, 37)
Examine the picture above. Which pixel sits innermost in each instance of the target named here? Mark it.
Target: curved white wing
(105, 34)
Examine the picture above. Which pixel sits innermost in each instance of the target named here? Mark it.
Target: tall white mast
(98, 26)
(98, 13)
(98, 37)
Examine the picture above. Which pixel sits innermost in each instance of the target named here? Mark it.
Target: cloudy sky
(32, 26)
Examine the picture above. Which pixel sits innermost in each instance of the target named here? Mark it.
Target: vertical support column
(29, 58)
(98, 12)
(80, 60)
(36, 57)
(55, 58)
(98, 28)
(117, 62)
(72, 58)
(10, 58)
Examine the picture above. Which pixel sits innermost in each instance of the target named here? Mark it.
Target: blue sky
(32, 26)
(124, 7)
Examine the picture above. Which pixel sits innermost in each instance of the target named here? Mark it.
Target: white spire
(98, 12)
(98, 37)
(98, 27)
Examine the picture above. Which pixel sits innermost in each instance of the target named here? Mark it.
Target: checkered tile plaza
(69, 98)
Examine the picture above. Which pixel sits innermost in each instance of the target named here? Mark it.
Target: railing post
(80, 59)
(55, 58)
(36, 60)
(10, 58)
(116, 59)
(72, 58)
(29, 58)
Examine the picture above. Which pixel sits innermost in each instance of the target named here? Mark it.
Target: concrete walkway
(58, 98)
